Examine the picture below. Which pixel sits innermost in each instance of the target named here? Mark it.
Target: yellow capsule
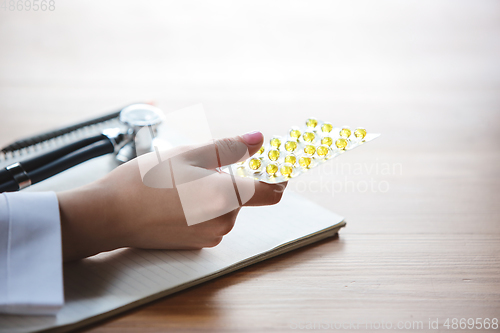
(275, 142)
(360, 133)
(240, 172)
(322, 150)
(305, 161)
(261, 150)
(309, 149)
(308, 136)
(254, 163)
(271, 169)
(345, 132)
(290, 145)
(326, 127)
(341, 143)
(273, 154)
(327, 141)
(286, 169)
(291, 159)
(295, 133)
(312, 122)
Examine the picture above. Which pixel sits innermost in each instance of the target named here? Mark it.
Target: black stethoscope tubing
(20, 175)
(45, 166)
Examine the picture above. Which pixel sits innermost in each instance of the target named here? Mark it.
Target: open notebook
(109, 283)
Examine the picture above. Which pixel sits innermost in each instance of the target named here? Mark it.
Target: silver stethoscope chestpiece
(140, 115)
(135, 117)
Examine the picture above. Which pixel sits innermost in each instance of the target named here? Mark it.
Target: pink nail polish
(252, 138)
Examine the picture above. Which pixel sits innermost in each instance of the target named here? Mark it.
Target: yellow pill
(305, 161)
(261, 150)
(290, 145)
(275, 142)
(309, 149)
(295, 133)
(273, 154)
(271, 169)
(308, 136)
(345, 132)
(326, 127)
(322, 150)
(312, 122)
(360, 133)
(286, 169)
(327, 141)
(291, 159)
(341, 143)
(254, 163)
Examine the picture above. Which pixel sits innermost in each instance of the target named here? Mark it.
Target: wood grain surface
(422, 202)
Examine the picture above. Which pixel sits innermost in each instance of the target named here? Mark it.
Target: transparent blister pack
(301, 149)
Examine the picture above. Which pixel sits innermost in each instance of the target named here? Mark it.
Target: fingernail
(252, 138)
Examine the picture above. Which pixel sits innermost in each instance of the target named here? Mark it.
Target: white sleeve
(31, 280)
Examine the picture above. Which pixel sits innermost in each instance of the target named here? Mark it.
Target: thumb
(239, 148)
(226, 151)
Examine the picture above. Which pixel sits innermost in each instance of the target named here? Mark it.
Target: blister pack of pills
(303, 148)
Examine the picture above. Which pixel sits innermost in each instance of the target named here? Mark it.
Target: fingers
(222, 225)
(210, 233)
(224, 151)
(266, 194)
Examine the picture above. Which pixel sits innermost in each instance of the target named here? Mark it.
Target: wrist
(86, 226)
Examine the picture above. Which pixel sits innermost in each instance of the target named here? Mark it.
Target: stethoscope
(124, 143)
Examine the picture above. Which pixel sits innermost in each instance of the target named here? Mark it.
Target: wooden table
(422, 202)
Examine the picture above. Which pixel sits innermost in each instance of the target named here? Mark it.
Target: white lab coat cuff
(31, 279)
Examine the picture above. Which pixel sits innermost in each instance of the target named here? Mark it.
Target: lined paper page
(110, 282)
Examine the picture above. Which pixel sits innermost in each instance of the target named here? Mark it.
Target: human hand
(124, 210)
